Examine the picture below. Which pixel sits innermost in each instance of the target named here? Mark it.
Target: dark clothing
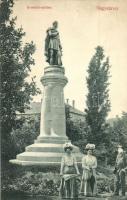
(120, 182)
(120, 174)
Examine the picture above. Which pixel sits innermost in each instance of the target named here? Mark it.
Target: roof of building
(35, 108)
(75, 110)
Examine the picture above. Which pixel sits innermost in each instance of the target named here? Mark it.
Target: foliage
(118, 132)
(76, 131)
(15, 61)
(26, 133)
(32, 183)
(98, 104)
(105, 185)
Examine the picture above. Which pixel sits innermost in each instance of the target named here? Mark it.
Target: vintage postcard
(64, 99)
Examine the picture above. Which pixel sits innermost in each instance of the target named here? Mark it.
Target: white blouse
(68, 160)
(89, 161)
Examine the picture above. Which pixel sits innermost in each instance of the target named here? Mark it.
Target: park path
(40, 197)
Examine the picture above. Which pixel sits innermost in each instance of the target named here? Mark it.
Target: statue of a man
(53, 48)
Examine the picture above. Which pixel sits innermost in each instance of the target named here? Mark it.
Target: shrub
(105, 185)
(33, 183)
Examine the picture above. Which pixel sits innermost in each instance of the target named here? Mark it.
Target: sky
(83, 25)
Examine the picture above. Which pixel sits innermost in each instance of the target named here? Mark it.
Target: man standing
(53, 48)
(120, 172)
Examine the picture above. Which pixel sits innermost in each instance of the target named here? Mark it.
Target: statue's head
(55, 24)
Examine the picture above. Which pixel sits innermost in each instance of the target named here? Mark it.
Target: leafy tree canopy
(15, 61)
(98, 104)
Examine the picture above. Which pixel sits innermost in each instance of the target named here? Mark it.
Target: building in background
(75, 114)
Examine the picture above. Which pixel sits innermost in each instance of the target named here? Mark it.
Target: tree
(119, 130)
(15, 62)
(118, 135)
(98, 104)
(75, 130)
(25, 134)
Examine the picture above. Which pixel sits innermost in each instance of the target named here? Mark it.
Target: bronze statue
(53, 48)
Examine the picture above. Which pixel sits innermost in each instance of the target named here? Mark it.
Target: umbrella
(92, 181)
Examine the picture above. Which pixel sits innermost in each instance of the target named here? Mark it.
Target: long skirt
(120, 182)
(69, 187)
(88, 186)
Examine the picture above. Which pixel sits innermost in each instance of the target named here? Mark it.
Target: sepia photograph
(63, 99)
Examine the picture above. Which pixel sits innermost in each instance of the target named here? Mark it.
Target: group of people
(72, 185)
(70, 181)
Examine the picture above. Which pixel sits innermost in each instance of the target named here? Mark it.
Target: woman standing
(69, 172)
(89, 165)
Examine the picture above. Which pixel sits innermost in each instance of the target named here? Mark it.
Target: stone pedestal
(53, 107)
(48, 147)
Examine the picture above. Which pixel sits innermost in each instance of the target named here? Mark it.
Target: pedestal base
(46, 151)
(48, 148)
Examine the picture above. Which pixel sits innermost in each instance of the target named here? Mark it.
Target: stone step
(49, 151)
(48, 147)
(35, 163)
(43, 157)
(49, 141)
(55, 140)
